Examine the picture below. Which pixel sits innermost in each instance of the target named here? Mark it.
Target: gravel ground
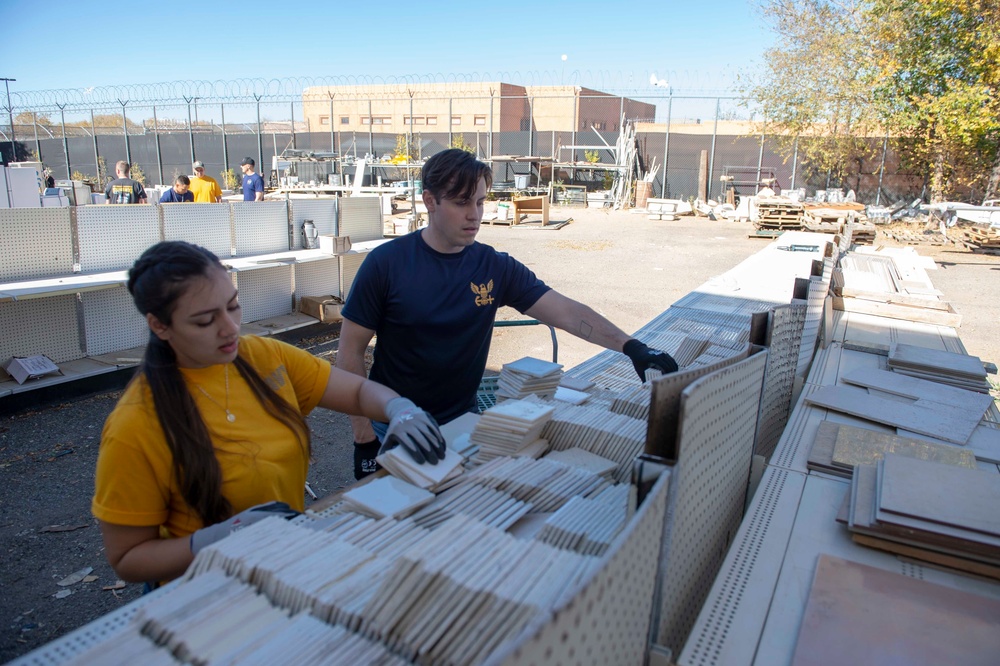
(626, 267)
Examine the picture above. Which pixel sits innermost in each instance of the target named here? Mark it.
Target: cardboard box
(23, 368)
(335, 244)
(324, 308)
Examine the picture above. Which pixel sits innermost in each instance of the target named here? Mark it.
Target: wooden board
(949, 317)
(931, 556)
(860, 446)
(912, 387)
(858, 614)
(923, 416)
(938, 360)
(941, 493)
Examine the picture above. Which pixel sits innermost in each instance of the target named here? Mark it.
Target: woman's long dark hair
(157, 279)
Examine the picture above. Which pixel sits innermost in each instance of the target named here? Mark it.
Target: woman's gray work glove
(414, 430)
(206, 536)
(644, 358)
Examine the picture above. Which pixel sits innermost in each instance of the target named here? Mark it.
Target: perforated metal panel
(736, 606)
(361, 218)
(205, 224)
(317, 278)
(37, 243)
(779, 377)
(265, 292)
(110, 322)
(113, 237)
(716, 434)
(819, 287)
(322, 212)
(260, 227)
(349, 265)
(40, 326)
(607, 621)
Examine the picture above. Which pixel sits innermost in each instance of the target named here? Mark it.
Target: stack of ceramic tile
(509, 428)
(617, 437)
(634, 402)
(576, 457)
(929, 511)
(528, 376)
(467, 590)
(839, 448)
(946, 367)
(423, 475)
(588, 525)
(387, 496)
(456, 434)
(544, 484)
(492, 507)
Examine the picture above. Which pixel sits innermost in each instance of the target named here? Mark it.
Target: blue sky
(61, 44)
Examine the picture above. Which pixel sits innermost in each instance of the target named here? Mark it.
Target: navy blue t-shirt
(433, 317)
(252, 183)
(171, 196)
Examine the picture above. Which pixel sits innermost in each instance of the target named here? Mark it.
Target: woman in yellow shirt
(213, 425)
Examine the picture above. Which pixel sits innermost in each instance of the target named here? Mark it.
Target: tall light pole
(10, 114)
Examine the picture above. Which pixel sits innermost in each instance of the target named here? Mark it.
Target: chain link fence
(691, 145)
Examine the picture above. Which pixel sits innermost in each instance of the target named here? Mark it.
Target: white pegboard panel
(779, 377)
(110, 322)
(204, 224)
(607, 620)
(733, 615)
(322, 212)
(260, 227)
(718, 417)
(112, 237)
(349, 265)
(317, 278)
(265, 293)
(37, 243)
(40, 326)
(819, 287)
(361, 218)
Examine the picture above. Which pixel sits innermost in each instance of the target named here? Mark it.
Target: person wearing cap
(204, 188)
(253, 184)
(179, 192)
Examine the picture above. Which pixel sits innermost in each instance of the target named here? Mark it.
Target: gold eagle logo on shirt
(482, 293)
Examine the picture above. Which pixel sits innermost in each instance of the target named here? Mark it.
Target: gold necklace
(229, 415)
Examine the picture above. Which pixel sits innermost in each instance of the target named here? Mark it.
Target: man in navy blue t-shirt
(253, 184)
(179, 192)
(431, 298)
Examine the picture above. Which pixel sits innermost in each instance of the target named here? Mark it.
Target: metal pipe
(451, 140)
(38, 145)
(62, 115)
(97, 156)
(10, 114)
(371, 138)
(666, 147)
(881, 169)
(128, 151)
(795, 160)
(190, 129)
(711, 157)
(260, 140)
(291, 107)
(491, 126)
(760, 157)
(332, 149)
(225, 148)
(156, 142)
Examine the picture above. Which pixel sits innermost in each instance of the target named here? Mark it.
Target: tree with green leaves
(924, 72)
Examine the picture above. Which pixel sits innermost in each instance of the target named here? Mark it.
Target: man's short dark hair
(183, 180)
(454, 174)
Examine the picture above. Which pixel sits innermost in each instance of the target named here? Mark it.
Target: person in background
(179, 192)
(124, 190)
(431, 298)
(253, 184)
(204, 188)
(210, 435)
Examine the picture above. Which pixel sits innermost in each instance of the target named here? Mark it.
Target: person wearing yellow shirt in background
(204, 188)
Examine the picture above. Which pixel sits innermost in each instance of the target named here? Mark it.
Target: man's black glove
(364, 458)
(644, 358)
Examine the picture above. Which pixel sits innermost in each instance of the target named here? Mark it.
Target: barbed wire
(253, 90)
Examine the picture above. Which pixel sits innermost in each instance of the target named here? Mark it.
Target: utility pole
(10, 114)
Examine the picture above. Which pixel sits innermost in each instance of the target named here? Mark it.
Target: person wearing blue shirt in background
(253, 184)
(179, 192)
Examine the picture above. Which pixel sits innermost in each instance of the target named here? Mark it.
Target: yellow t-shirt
(205, 189)
(260, 457)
